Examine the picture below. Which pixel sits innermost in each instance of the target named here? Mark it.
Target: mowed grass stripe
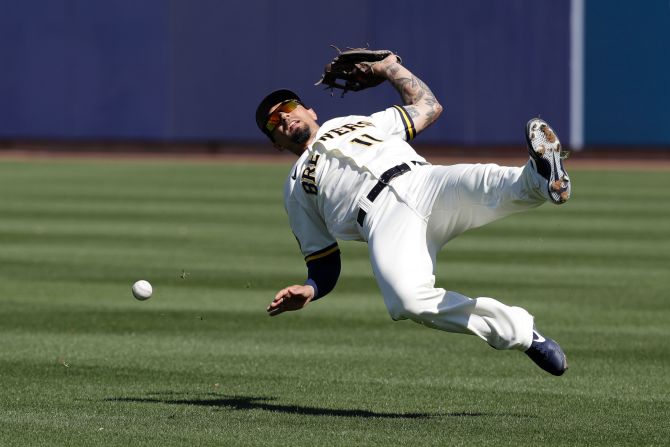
(215, 211)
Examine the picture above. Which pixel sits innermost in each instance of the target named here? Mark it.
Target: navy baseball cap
(270, 101)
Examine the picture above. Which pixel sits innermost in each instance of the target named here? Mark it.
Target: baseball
(142, 290)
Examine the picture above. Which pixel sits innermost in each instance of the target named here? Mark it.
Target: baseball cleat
(547, 153)
(547, 354)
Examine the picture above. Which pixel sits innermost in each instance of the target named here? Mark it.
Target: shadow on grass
(263, 403)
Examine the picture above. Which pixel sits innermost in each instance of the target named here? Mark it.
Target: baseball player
(357, 178)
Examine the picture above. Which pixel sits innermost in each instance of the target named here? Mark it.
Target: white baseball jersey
(345, 161)
(429, 206)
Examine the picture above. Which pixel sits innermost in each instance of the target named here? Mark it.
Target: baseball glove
(354, 68)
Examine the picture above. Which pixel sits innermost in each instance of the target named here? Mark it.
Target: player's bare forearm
(294, 297)
(419, 100)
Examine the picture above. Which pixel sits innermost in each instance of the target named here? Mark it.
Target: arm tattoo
(415, 94)
(413, 113)
(424, 96)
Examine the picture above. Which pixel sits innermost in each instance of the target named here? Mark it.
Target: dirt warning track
(589, 159)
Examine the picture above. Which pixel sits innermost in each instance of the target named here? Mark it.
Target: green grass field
(83, 363)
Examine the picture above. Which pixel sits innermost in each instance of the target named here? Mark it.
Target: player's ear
(312, 113)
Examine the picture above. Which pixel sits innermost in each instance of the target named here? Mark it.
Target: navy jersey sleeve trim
(323, 273)
(408, 123)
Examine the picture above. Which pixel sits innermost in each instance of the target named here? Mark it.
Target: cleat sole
(545, 149)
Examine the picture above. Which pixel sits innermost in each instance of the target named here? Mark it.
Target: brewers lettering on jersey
(358, 178)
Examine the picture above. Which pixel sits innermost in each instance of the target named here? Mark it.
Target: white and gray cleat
(547, 153)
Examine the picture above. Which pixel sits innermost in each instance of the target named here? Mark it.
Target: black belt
(383, 182)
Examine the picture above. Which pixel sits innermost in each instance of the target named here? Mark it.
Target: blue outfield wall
(627, 72)
(194, 70)
(84, 69)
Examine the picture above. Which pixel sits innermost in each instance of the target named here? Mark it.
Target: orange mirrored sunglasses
(274, 118)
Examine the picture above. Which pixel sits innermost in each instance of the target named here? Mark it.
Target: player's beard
(301, 135)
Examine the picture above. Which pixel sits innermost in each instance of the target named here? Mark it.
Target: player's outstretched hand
(356, 69)
(291, 298)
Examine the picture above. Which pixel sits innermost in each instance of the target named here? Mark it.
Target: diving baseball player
(357, 178)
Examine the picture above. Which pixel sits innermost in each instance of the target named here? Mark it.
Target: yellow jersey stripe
(322, 253)
(410, 131)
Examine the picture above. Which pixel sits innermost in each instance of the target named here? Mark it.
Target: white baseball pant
(439, 203)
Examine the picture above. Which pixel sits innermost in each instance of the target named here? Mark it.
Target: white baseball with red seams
(142, 290)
